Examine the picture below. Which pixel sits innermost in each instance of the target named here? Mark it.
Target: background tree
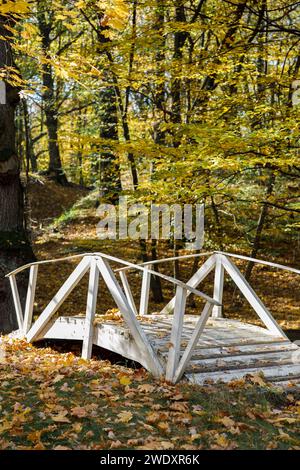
(15, 247)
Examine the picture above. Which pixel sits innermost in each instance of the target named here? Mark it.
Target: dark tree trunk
(110, 184)
(55, 169)
(15, 248)
(155, 283)
(30, 155)
(260, 226)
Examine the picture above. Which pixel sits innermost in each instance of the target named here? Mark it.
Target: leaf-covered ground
(52, 400)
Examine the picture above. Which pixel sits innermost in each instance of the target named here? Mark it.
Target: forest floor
(52, 399)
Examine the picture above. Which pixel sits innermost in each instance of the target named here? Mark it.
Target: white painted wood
(218, 287)
(16, 299)
(71, 328)
(193, 342)
(288, 371)
(114, 338)
(175, 339)
(252, 298)
(47, 261)
(30, 298)
(176, 282)
(167, 260)
(260, 261)
(292, 384)
(127, 291)
(145, 291)
(258, 360)
(141, 339)
(243, 350)
(90, 310)
(59, 298)
(194, 281)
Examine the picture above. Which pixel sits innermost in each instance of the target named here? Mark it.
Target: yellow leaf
(228, 422)
(60, 417)
(163, 426)
(125, 416)
(124, 380)
(258, 379)
(152, 418)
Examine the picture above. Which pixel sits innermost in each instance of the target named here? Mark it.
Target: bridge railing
(220, 262)
(99, 264)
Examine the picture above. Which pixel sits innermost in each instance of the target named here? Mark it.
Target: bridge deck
(227, 349)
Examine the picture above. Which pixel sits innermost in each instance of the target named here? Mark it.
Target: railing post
(74, 278)
(144, 302)
(218, 287)
(193, 342)
(194, 281)
(141, 339)
(30, 298)
(175, 340)
(127, 291)
(16, 299)
(90, 310)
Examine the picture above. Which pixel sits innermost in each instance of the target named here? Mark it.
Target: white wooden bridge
(171, 344)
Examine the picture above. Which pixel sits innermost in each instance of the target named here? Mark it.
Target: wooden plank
(242, 350)
(193, 341)
(59, 298)
(205, 345)
(292, 384)
(127, 291)
(141, 339)
(194, 281)
(112, 338)
(238, 325)
(218, 287)
(175, 339)
(17, 302)
(71, 328)
(241, 361)
(90, 310)
(252, 298)
(144, 302)
(286, 371)
(30, 298)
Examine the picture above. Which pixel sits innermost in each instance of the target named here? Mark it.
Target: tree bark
(260, 226)
(110, 184)
(55, 169)
(15, 248)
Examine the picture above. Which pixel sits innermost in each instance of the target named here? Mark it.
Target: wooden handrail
(163, 260)
(232, 255)
(128, 265)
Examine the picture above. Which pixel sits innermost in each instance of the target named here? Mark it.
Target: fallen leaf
(125, 416)
(152, 417)
(163, 426)
(180, 406)
(146, 388)
(79, 412)
(59, 447)
(125, 380)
